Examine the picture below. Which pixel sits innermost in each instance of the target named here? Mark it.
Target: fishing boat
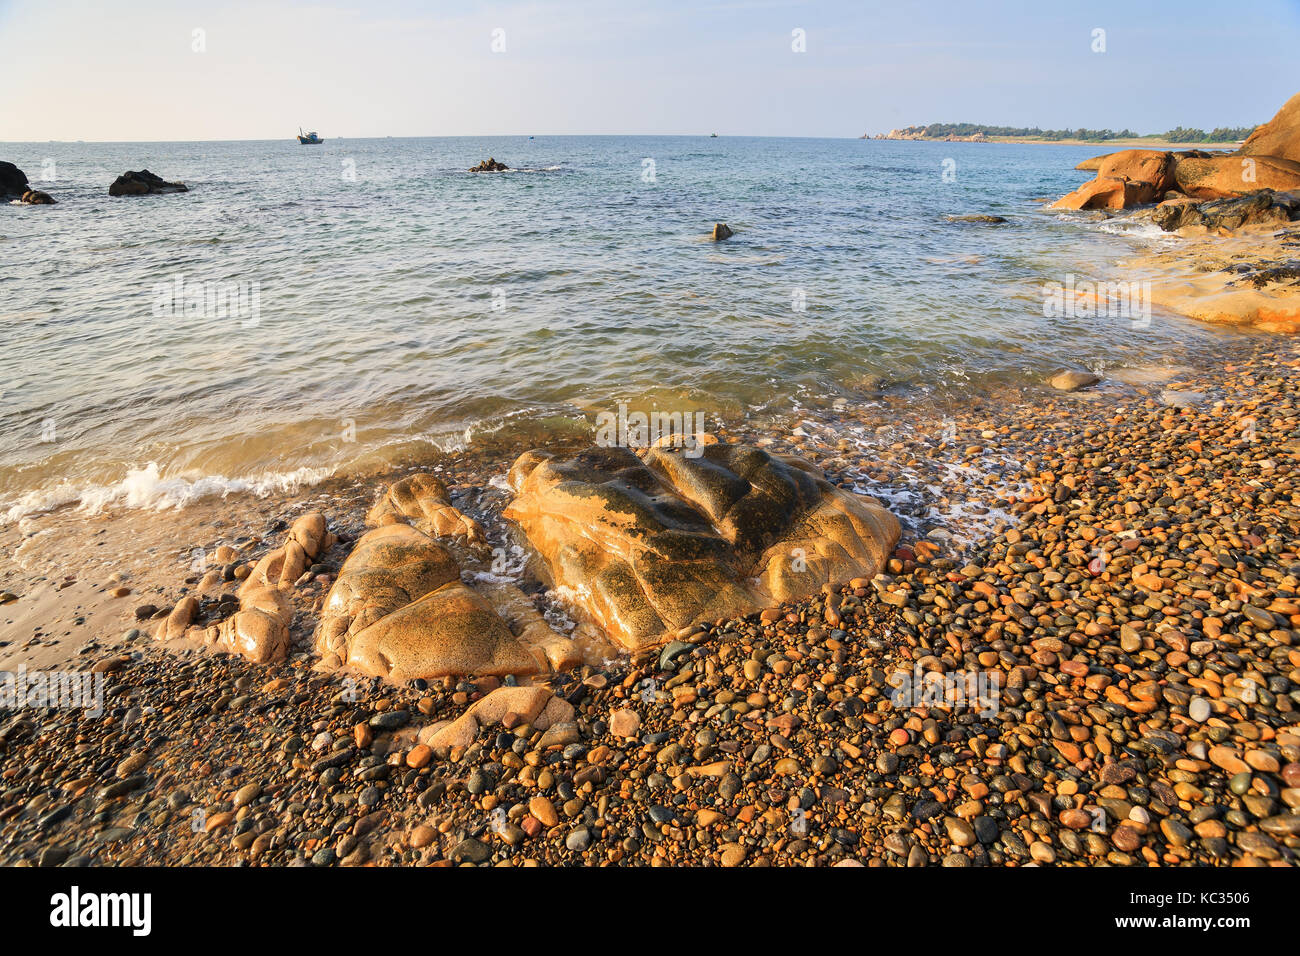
(308, 139)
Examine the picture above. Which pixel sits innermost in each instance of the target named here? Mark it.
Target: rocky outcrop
(1269, 159)
(489, 165)
(645, 546)
(143, 183)
(1220, 177)
(721, 231)
(34, 197)
(13, 182)
(1140, 166)
(399, 608)
(423, 502)
(1264, 207)
(1109, 193)
(259, 630)
(1280, 136)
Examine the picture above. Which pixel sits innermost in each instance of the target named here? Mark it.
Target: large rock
(489, 165)
(1152, 166)
(1263, 207)
(422, 501)
(647, 545)
(1110, 193)
(1280, 136)
(13, 181)
(1220, 177)
(399, 609)
(260, 629)
(143, 183)
(35, 197)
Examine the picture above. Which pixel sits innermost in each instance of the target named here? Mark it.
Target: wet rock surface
(654, 543)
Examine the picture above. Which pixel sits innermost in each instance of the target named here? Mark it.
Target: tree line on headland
(1180, 134)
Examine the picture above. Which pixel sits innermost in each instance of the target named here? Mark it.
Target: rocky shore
(1111, 615)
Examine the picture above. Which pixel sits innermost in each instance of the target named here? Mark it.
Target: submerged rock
(143, 183)
(1072, 381)
(990, 220)
(648, 545)
(35, 197)
(721, 231)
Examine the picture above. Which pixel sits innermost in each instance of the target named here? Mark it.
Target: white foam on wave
(145, 488)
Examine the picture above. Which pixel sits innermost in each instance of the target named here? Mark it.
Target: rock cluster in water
(143, 183)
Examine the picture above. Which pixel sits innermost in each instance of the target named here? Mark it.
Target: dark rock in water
(489, 165)
(143, 183)
(34, 197)
(13, 182)
(987, 219)
(1262, 206)
(721, 231)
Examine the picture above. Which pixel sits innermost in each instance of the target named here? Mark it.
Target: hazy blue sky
(95, 70)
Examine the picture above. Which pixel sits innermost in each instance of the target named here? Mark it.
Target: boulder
(13, 181)
(1109, 193)
(143, 183)
(646, 545)
(399, 609)
(34, 197)
(1280, 136)
(1264, 207)
(1219, 177)
(489, 165)
(259, 630)
(1152, 166)
(423, 502)
(721, 231)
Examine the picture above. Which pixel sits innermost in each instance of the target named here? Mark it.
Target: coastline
(811, 780)
(1046, 619)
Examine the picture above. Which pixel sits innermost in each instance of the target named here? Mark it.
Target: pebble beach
(1115, 569)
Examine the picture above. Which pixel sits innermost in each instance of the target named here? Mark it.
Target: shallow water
(396, 304)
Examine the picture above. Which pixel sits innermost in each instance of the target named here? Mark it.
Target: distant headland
(976, 133)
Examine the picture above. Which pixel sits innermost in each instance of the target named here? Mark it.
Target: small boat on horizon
(308, 139)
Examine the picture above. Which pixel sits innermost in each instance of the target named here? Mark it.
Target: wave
(146, 488)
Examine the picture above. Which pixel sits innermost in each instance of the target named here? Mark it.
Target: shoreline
(879, 786)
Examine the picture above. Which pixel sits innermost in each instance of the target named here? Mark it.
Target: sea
(313, 311)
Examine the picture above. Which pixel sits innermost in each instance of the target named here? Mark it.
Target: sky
(144, 70)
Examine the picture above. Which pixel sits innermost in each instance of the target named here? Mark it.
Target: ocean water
(382, 302)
